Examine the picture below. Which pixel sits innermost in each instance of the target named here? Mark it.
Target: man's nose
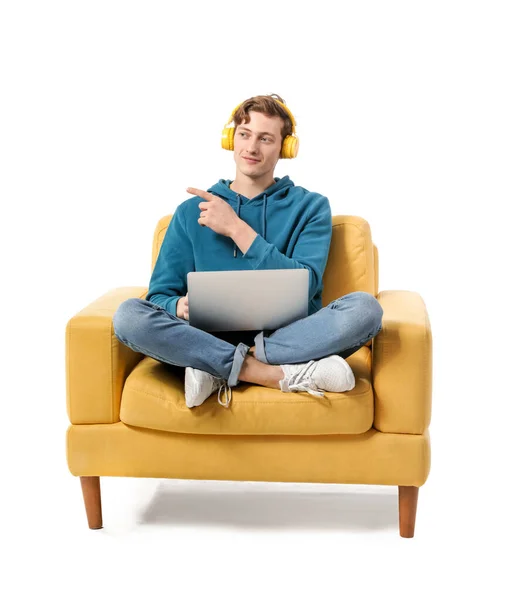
(253, 145)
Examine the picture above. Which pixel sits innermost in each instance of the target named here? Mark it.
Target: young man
(256, 221)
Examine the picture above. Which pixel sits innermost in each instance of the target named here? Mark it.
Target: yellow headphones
(290, 144)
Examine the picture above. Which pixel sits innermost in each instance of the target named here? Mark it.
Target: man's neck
(250, 188)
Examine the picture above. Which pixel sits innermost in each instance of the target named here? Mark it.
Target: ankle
(255, 371)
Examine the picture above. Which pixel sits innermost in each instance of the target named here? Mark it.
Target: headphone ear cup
(290, 147)
(228, 138)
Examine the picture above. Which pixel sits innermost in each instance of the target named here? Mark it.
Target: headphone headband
(283, 106)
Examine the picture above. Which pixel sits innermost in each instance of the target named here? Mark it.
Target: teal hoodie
(294, 228)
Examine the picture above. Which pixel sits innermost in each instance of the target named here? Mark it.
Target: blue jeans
(342, 327)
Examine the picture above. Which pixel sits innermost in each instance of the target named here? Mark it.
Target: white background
(407, 114)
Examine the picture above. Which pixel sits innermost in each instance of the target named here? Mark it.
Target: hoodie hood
(277, 191)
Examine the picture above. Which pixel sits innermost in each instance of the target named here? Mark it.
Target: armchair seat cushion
(153, 398)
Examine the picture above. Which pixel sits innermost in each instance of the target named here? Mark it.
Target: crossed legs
(340, 328)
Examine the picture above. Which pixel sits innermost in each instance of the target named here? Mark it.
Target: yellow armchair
(128, 416)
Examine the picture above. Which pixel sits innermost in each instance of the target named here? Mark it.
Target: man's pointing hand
(216, 214)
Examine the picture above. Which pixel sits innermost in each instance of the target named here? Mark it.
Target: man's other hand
(183, 308)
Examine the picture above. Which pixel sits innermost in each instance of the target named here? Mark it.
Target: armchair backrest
(158, 238)
(352, 261)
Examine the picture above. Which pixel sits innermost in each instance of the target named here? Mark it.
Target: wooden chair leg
(407, 503)
(92, 497)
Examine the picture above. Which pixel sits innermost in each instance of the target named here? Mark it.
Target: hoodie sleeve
(310, 252)
(175, 260)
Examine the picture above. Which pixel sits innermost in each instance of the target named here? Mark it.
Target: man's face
(260, 140)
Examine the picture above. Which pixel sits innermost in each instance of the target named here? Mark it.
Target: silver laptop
(247, 300)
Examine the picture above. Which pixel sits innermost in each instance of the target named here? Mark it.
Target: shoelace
(226, 388)
(301, 381)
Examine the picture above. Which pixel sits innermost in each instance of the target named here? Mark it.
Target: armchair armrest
(402, 364)
(97, 363)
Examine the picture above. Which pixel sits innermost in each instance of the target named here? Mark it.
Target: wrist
(236, 228)
(180, 308)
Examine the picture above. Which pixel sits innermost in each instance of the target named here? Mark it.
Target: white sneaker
(199, 385)
(331, 374)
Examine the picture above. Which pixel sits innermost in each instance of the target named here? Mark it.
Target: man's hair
(267, 106)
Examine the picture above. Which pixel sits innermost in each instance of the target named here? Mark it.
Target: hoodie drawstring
(264, 216)
(238, 213)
